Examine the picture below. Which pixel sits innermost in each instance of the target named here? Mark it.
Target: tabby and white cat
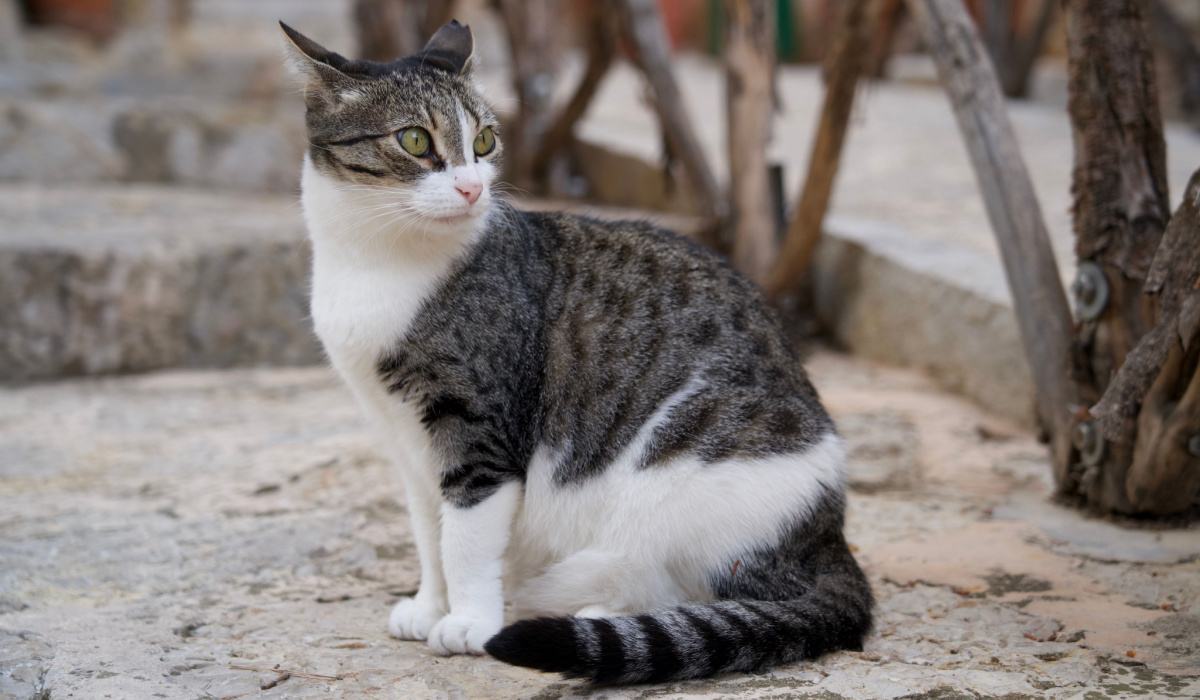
(598, 422)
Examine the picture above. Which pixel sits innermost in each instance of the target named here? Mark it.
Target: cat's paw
(413, 619)
(463, 634)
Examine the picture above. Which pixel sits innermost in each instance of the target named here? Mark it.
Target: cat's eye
(485, 141)
(415, 140)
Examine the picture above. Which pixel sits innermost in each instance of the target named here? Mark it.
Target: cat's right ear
(320, 68)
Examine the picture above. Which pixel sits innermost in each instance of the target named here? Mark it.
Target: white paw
(412, 618)
(463, 634)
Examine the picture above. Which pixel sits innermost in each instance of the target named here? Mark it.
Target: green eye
(415, 140)
(485, 141)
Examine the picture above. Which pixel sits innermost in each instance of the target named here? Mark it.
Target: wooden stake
(601, 49)
(1013, 209)
(644, 28)
(531, 26)
(749, 83)
(845, 64)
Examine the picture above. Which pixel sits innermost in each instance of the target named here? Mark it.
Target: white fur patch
(656, 535)
(473, 544)
(373, 268)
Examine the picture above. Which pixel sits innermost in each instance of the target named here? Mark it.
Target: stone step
(104, 280)
(247, 145)
(101, 280)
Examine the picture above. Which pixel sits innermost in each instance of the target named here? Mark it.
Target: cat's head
(410, 142)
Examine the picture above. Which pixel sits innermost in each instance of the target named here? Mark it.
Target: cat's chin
(451, 224)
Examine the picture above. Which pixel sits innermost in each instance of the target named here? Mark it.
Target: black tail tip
(546, 643)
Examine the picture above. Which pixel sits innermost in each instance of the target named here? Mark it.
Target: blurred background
(149, 152)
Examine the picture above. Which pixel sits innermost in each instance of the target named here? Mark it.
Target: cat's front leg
(474, 538)
(413, 618)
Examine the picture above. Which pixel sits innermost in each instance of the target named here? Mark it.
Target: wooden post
(1121, 209)
(644, 28)
(1159, 381)
(601, 49)
(1013, 209)
(532, 29)
(845, 64)
(749, 83)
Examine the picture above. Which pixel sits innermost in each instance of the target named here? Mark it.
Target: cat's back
(639, 318)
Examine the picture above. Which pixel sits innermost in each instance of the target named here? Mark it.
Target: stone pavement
(184, 534)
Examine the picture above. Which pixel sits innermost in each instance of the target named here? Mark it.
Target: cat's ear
(321, 69)
(451, 48)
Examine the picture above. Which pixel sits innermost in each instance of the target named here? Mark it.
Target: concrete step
(122, 279)
(252, 145)
(97, 280)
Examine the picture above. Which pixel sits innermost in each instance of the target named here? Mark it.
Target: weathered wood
(845, 65)
(601, 50)
(1120, 211)
(643, 27)
(996, 30)
(1171, 286)
(532, 30)
(1013, 209)
(1158, 385)
(749, 88)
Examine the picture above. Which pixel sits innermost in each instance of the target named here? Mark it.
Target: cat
(600, 422)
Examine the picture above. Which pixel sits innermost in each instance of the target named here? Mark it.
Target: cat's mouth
(451, 218)
(455, 218)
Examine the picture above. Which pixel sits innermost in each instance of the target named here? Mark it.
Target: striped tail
(691, 641)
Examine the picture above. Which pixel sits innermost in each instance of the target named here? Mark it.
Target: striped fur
(795, 601)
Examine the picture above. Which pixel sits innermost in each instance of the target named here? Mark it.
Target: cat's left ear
(322, 69)
(451, 48)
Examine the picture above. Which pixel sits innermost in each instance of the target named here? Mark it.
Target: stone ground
(186, 534)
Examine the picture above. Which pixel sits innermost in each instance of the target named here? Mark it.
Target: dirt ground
(235, 534)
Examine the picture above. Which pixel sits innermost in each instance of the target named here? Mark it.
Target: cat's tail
(694, 641)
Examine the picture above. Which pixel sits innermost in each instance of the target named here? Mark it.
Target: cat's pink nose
(469, 189)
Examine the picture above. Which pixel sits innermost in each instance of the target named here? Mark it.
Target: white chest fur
(371, 277)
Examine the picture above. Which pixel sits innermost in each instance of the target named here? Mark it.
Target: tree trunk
(749, 83)
(1158, 384)
(1120, 212)
(844, 64)
(1013, 210)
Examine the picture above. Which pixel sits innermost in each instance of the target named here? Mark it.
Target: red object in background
(96, 18)
(681, 18)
